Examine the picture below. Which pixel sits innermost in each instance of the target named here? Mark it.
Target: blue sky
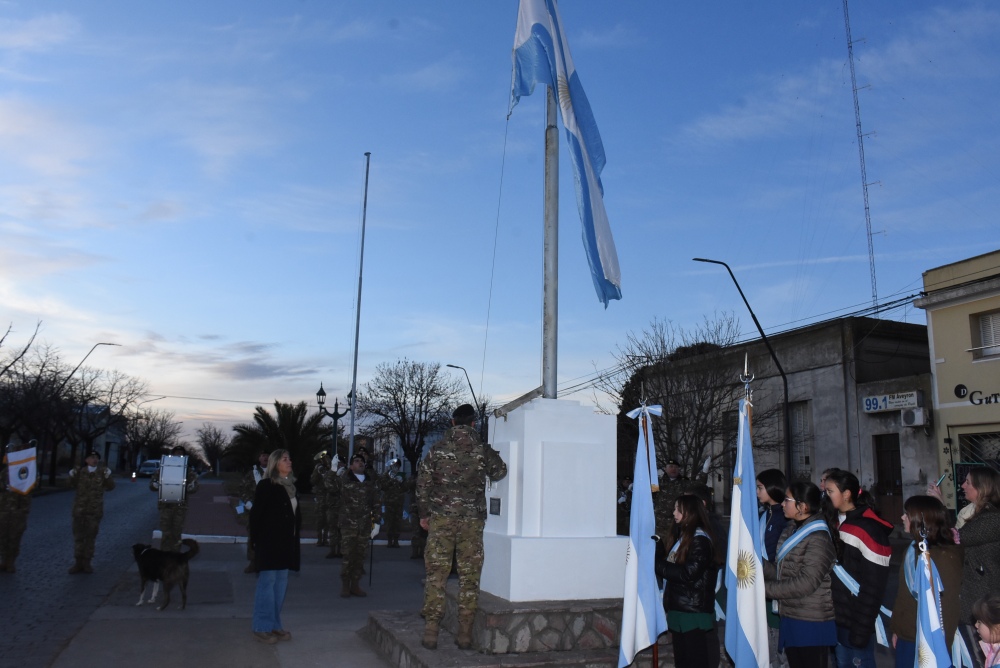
(185, 179)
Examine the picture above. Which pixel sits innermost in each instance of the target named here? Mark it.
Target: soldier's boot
(345, 589)
(464, 637)
(356, 590)
(77, 567)
(87, 567)
(430, 639)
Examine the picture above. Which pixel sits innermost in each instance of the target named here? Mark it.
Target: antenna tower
(861, 154)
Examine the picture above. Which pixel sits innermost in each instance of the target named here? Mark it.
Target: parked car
(148, 468)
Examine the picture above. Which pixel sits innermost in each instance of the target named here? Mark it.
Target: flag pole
(653, 487)
(550, 250)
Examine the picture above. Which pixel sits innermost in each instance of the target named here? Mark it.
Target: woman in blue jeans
(275, 524)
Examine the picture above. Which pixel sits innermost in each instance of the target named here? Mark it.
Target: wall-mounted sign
(893, 402)
(977, 397)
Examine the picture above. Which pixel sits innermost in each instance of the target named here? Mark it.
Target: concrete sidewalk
(215, 627)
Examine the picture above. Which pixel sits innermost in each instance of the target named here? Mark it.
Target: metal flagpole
(357, 320)
(550, 284)
(654, 487)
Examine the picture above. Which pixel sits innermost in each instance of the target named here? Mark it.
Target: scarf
(289, 485)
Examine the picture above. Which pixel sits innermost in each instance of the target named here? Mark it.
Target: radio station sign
(893, 402)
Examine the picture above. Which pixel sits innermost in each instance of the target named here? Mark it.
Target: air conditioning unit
(913, 417)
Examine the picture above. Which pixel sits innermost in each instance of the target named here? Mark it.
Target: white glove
(621, 499)
(72, 473)
(375, 530)
(107, 473)
(706, 465)
(248, 505)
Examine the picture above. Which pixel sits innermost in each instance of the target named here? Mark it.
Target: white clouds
(40, 33)
(41, 141)
(433, 77)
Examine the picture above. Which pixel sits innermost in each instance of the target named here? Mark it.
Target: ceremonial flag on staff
(746, 621)
(932, 648)
(643, 618)
(21, 472)
(541, 55)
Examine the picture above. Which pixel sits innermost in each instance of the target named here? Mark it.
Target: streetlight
(784, 378)
(481, 410)
(336, 414)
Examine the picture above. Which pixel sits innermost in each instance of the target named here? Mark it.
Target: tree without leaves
(213, 443)
(409, 401)
(101, 399)
(694, 376)
(17, 355)
(152, 432)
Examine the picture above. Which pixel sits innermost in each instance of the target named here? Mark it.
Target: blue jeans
(267, 602)
(854, 657)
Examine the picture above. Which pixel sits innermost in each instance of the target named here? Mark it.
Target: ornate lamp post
(336, 414)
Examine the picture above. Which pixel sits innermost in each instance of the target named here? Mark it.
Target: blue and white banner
(746, 621)
(643, 618)
(932, 648)
(22, 472)
(541, 55)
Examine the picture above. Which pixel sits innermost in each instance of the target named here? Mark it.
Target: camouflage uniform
(359, 512)
(88, 509)
(331, 506)
(14, 509)
(393, 492)
(172, 514)
(663, 501)
(451, 495)
(319, 498)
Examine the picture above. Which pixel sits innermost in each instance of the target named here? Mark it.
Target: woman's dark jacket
(864, 553)
(980, 536)
(775, 524)
(275, 528)
(691, 585)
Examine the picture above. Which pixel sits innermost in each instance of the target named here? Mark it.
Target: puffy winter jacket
(691, 585)
(801, 581)
(864, 553)
(981, 574)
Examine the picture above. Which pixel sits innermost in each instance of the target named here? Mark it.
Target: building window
(985, 335)
(802, 437)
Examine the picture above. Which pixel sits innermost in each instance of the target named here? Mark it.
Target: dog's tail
(192, 550)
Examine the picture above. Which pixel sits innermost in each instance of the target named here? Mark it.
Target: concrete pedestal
(550, 534)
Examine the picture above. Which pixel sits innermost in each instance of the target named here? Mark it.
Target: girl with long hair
(800, 579)
(690, 569)
(925, 518)
(863, 549)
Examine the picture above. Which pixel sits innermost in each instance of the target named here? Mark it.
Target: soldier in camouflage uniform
(172, 513)
(14, 509)
(393, 492)
(418, 534)
(331, 505)
(319, 497)
(90, 481)
(452, 498)
(672, 485)
(359, 512)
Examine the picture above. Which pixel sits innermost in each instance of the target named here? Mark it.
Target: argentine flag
(746, 620)
(932, 649)
(541, 55)
(643, 618)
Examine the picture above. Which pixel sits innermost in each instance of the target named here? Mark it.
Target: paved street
(44, 607)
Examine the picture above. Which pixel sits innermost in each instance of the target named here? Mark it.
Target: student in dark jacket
(771, 488)
(863, 550)
(275, 526)
(690, 569)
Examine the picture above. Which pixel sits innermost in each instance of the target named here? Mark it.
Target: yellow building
(962, 301)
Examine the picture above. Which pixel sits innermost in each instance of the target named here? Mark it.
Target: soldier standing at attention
(393, 490)
(452, 498)
(359, 512)
(173, 513)
(90, 481)
(331, 505)
(14, 508)
(671, 487)
(319, 497)
(247, 491)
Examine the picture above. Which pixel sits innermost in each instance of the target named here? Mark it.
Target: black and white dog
(170, 568)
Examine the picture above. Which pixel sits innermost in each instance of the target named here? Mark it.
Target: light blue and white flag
(932, 648)
(643, 618)
(541, 55)
(746, 621)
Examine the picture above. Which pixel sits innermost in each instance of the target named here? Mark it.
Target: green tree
(291, 428)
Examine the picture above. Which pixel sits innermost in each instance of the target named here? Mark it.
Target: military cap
(464, 412)
(93, 453)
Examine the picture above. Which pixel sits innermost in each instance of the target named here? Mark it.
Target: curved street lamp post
(336, 415)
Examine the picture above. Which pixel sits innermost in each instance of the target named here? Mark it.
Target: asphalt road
(41, 606)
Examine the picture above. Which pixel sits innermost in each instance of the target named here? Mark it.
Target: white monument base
(551, 533)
